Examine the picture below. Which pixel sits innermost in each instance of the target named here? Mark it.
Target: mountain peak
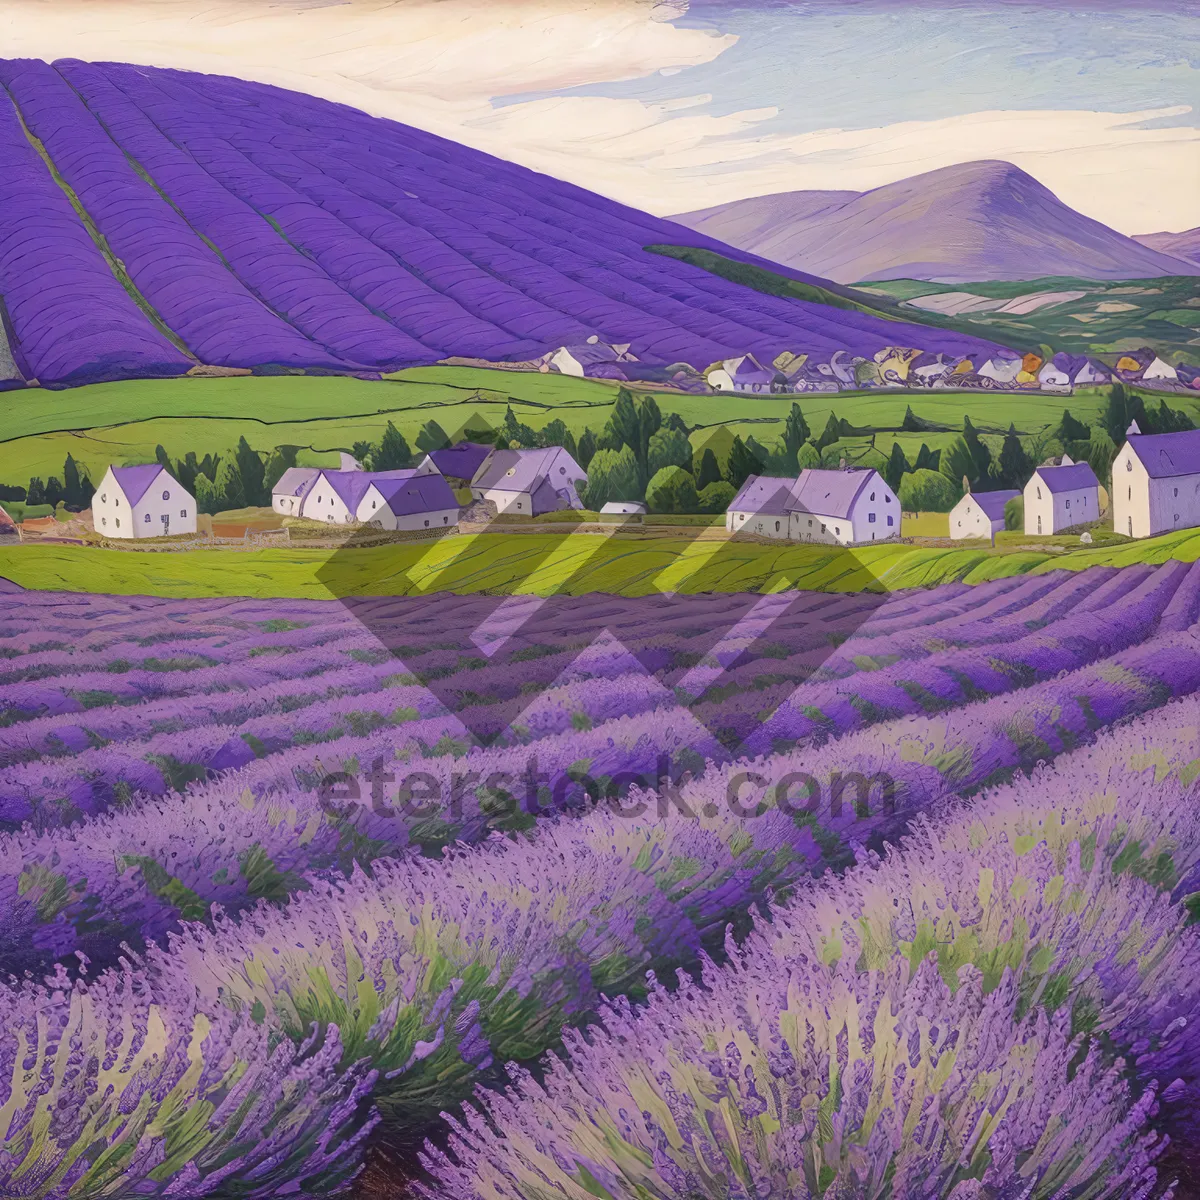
(984, 219)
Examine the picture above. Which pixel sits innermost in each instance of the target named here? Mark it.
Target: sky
(670, 107)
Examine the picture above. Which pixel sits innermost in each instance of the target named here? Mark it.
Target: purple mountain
(243, 226)
(962, 224)
(1184, 245)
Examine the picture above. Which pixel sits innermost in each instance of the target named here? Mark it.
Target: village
(891, 367)
(471, 486)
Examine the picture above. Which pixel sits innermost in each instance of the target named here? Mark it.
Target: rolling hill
(153, 222)
(1185, 245)
(972, 222)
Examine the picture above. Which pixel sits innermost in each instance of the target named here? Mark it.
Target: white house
(287, 496)
(762, 507)
(530, 482)
(848, 506)
(980, 514)
(146, 501)
(742, 374)
(1002, 370)
(407, 500)
(1156, 483)
(334, 496)
(1161, 372)
(575, 360)
(1053, 377)
(1058, 498)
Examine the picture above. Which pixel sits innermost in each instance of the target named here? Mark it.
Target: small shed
(625, 512)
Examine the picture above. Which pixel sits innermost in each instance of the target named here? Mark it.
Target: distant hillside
(153, 222)
(967, 223)
(1184, 245)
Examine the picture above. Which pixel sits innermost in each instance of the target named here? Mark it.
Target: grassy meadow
(123, 422)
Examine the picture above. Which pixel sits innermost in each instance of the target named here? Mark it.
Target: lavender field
(720, 895)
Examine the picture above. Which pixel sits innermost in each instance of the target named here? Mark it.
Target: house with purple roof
(143, 501)
(458, 462)
(1061, 497)
(980, 514)
(1156, 483)
(594, 359)
(745, 374)
(287, 496)
(530, 482)
(334, 496)
(849, 506)
(408, 500)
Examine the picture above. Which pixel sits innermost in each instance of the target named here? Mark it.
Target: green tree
(1015, 467)
(927, 460)
(911, 423)
(809, 457)
(927, 491)
(227, 487)
(361, 451)
(162, 457)
(72, 488)
(207, 498)
(587, 448)
(633, 423)
(250, 471)
(897, 466)
(612, 475)
(281, 459)
(742, 464)
(393, 452)
(1101, 451)
(54, 490)
(674, 421)
(35, 493)
(709, 471)
(555, 433)
(1071, 429)
(830, 434)
(795, 433)
(1014, 513)
(87, 490)
(758, 450)
(672, 490)
(668, 448)
(716, 497)
(981, 456)
(209, 464)
(432, 437)
(517, 432)
(186, 470)
(1123, 408)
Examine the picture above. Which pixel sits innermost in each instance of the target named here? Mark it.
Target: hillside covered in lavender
(156, 222)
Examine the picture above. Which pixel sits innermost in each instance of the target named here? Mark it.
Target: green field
(123, 422)
(1110, 317)
(546, 565)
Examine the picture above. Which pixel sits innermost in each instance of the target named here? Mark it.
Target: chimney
(966, 486)
(841, 464)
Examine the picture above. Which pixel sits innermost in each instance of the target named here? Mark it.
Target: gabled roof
(524, 470)
(295, 481)
(831, 493)
(993, 503)
(1068, 479)
(135, 481)
(766, 495)
(351, 486)
(415, 494)
(460, 461)
(1168, 454)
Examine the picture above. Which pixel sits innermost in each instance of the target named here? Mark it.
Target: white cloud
(440, 65)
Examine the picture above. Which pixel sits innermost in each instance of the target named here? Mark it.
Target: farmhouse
(334, 496)
(849, 506)
(458, 462)
(586, 359)
(980, 514)
(762, 507)
(287, 496)
(1055, 376)
(407, 500)
(146, 501)
(1057, 498)
(1156, 483)
(743, 374)
(530, 482)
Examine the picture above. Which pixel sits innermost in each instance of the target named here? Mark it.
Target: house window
(871, 518)
(146, 519)
(776, 526)
(445, 520)
(889, 520)
(166, 495)
(1039, 492)
(822, 526)
(1129, 464)
(103, 497)
(872, 495)
(518, 504)
(118, 522)
(1130, 496)
(426, 524)
(1068, 504)
(837, 529)
(103, 520)
(741, 516)
(183, 512)
(1177, 491)
(373, 505)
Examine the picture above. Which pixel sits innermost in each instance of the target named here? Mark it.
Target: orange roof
(1032, 362)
